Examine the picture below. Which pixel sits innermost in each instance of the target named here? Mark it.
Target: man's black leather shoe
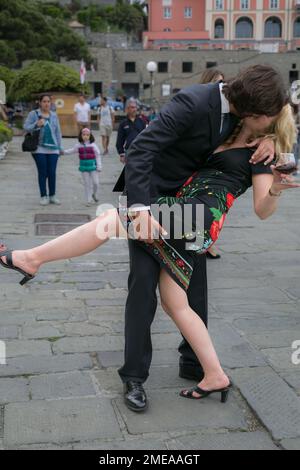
(191, 372)
(135, 396)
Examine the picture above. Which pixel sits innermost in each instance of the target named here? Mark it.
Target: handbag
(31, 140)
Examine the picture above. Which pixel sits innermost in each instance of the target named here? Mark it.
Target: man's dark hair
(92, 138)
(258, 89)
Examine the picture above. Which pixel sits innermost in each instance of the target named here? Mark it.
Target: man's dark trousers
(140, 310)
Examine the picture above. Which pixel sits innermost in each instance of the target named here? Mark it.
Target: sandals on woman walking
(205, 393)
(9, 265)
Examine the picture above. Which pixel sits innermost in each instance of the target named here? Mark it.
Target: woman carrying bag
(45, 122)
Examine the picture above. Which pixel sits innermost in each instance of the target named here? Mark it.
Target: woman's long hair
(283, 131)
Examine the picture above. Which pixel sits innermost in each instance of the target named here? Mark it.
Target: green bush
(7, 76)
(6, 133)
(41, 76)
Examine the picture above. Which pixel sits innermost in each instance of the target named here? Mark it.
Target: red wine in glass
(286, 169)
(286, 163)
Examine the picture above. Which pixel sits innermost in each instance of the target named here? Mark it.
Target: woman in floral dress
(226, 175)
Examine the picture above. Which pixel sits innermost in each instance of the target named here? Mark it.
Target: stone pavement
(64, 333)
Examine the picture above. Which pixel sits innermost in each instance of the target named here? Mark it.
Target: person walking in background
(49, 147)
(90, 164)
(212, 76)
(129, 129)
(106, 121)
(82, 113)
(152, 115)
(297, 144)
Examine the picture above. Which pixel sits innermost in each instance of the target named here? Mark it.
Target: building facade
(264, 25)
(126, 69)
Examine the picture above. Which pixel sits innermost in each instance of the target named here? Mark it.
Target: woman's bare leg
(77, 242)
(175, 303)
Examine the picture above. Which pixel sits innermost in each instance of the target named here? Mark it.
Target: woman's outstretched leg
(175, 303)
(77, 242)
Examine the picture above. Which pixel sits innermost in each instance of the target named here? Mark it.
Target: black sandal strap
(9, 260)
(189, 393)
(201, 392)
(8, 254)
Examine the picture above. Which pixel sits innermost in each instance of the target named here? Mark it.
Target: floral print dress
(225, 176)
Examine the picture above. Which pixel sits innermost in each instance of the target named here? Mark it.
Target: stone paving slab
(59, 421)
(16, 348)
(276, 405)
(13, 390)
(132, 444)
(64, 385)
(267, 324)
(232, 349)
(190, 414)
(225, 441)
(293, 379)
(281, 359)
(37, 331)
(45, 364)
(275, 339)
(88, 344)
(9, 332)
(290, 444)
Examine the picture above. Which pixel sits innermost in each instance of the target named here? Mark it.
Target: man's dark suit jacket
(174, 146)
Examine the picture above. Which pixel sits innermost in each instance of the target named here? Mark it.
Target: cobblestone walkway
(64, 333)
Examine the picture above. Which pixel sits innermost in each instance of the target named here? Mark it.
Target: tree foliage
(121, 17)
(7, 76)
(31, 30)
(41, 76)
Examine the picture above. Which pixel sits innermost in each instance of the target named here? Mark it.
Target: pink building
(265, 25)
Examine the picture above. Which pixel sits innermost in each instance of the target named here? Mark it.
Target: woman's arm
(267, 189)
(31, 121)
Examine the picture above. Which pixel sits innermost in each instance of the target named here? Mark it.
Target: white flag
(82, 72)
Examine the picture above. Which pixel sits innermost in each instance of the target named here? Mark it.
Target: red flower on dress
(180, 263)
(229, 200)
(214, 230)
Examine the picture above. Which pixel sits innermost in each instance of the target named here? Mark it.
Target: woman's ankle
(217, 379)
(29, 258)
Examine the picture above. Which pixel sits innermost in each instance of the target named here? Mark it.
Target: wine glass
(286, 164)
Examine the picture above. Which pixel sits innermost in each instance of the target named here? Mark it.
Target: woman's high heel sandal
(9, 265)
(205, 393)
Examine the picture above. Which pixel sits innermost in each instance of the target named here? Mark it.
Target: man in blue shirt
(129, 129)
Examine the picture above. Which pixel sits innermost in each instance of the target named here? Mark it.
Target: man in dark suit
(189, 128)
